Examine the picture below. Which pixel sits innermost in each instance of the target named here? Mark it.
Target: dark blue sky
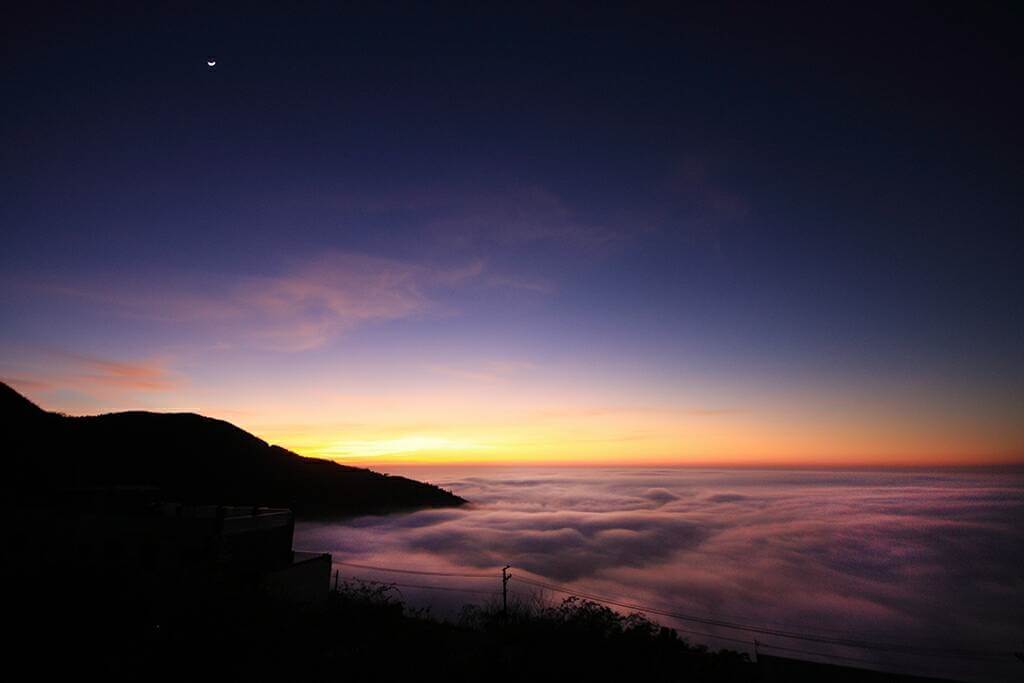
(725, 196)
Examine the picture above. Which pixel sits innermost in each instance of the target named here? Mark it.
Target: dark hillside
(190, 458)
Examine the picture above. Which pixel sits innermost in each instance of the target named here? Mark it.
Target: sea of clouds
(910, 558)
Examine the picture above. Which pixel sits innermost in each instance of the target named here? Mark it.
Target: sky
(397, 233)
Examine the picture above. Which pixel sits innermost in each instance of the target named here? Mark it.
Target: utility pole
(505, 576)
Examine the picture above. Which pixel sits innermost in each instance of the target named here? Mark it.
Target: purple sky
(727, 233)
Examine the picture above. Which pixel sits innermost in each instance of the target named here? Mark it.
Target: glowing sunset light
(355, 403)
(396, 446)
(584, 263)
(429, 338)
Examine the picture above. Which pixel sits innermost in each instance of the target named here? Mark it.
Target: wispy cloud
(480, 216)
(704, 204)
(27, 384)
(145, 376)
(409, 443)
(51, 370)
(609, 410)
(519, 216)
(714, 412)
(531, 284)
(491, 371)
(336, 292)
(301, 308)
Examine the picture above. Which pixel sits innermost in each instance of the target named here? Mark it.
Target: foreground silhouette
(124, 570)
(185, 457)
(366, 633)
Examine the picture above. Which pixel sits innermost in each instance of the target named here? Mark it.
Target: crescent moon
(211, 62)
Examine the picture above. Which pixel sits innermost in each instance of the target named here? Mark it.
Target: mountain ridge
(187, 457)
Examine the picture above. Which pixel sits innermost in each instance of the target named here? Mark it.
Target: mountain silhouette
(185, 457)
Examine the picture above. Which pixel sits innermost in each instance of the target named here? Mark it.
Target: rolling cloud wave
(915, 558)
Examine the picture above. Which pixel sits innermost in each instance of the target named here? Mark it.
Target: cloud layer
(911, 558)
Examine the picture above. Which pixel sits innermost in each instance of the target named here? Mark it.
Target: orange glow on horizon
(460, 422)
(653, 440)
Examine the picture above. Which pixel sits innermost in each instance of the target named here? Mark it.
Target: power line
(785, 625)
(415, 571)
(851, 642)
(681, 630)
(451, 589)
(847, 642)
(761, 630)
(758, 644)
(816, 654)
(741, 641)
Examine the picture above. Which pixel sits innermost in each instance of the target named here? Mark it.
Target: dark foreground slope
(189, 458)
(362, 634)
(365, 633)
